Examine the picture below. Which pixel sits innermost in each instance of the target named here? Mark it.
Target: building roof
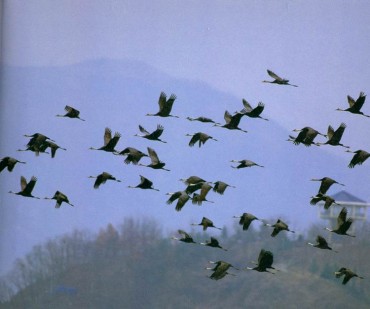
(344, 196)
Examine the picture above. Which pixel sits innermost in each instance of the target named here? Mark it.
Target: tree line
(134, 265)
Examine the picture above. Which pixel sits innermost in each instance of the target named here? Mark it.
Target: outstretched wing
(227, 117)
(153, 156)
(23, 183)
(4, 163)
(266, 260)
(206, 222)
(246, 220)
(183, 233)
(30, 185)
(72, 111)
(274, 76)
(162, 100)
(247, 106)
(258, 109)
(321, 241)
(145, 181)
(142, 130)
(339, 132)
(107, 136)
(316, 199)
(174, 197)
(360, 101)
(195, 138)
(167, 107)
(351, 101)
(220, 187)
(342, 217)
(346, 278)
(158, 132)
(330, 132)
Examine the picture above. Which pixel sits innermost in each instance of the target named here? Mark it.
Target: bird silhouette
(244, 163)
(36, 148)
(165, 106)
(53, 147)
(305, 136)
(36, 143)
(102, 178)
(71, 113)
(343, 224)
(220, 266)
(214, 243)
(232, 121)
(199, 138)
(253, 112)
(246, 220)
(202, 119)
(355, 105)
(328, 200)
(206, 223)
(154, 136)
(145, 183)
(185, 237)
(199, 198)
(277, 79)
(278, 227)
(359, 157)
(326, 183)
(9, 163)
(37, 138)
(220, 187)
(192, 180)
(133, 155)
(265, 261)
(181, 196)
(220, 269)
(321, 243)
(26, 188)
(347, 273)
(334, 137)
(109, 141)
(60, 198)
(217, 275)
(155, 162)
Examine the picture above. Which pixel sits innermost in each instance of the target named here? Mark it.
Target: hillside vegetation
(134, 266)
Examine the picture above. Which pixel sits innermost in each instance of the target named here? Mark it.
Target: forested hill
(134, 266)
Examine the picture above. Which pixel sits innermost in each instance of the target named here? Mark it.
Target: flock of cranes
(197, 189)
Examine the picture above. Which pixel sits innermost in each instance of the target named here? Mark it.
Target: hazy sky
(321, 46)
(227, 44)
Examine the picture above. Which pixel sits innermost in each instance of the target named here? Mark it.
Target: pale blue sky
(229, 45)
